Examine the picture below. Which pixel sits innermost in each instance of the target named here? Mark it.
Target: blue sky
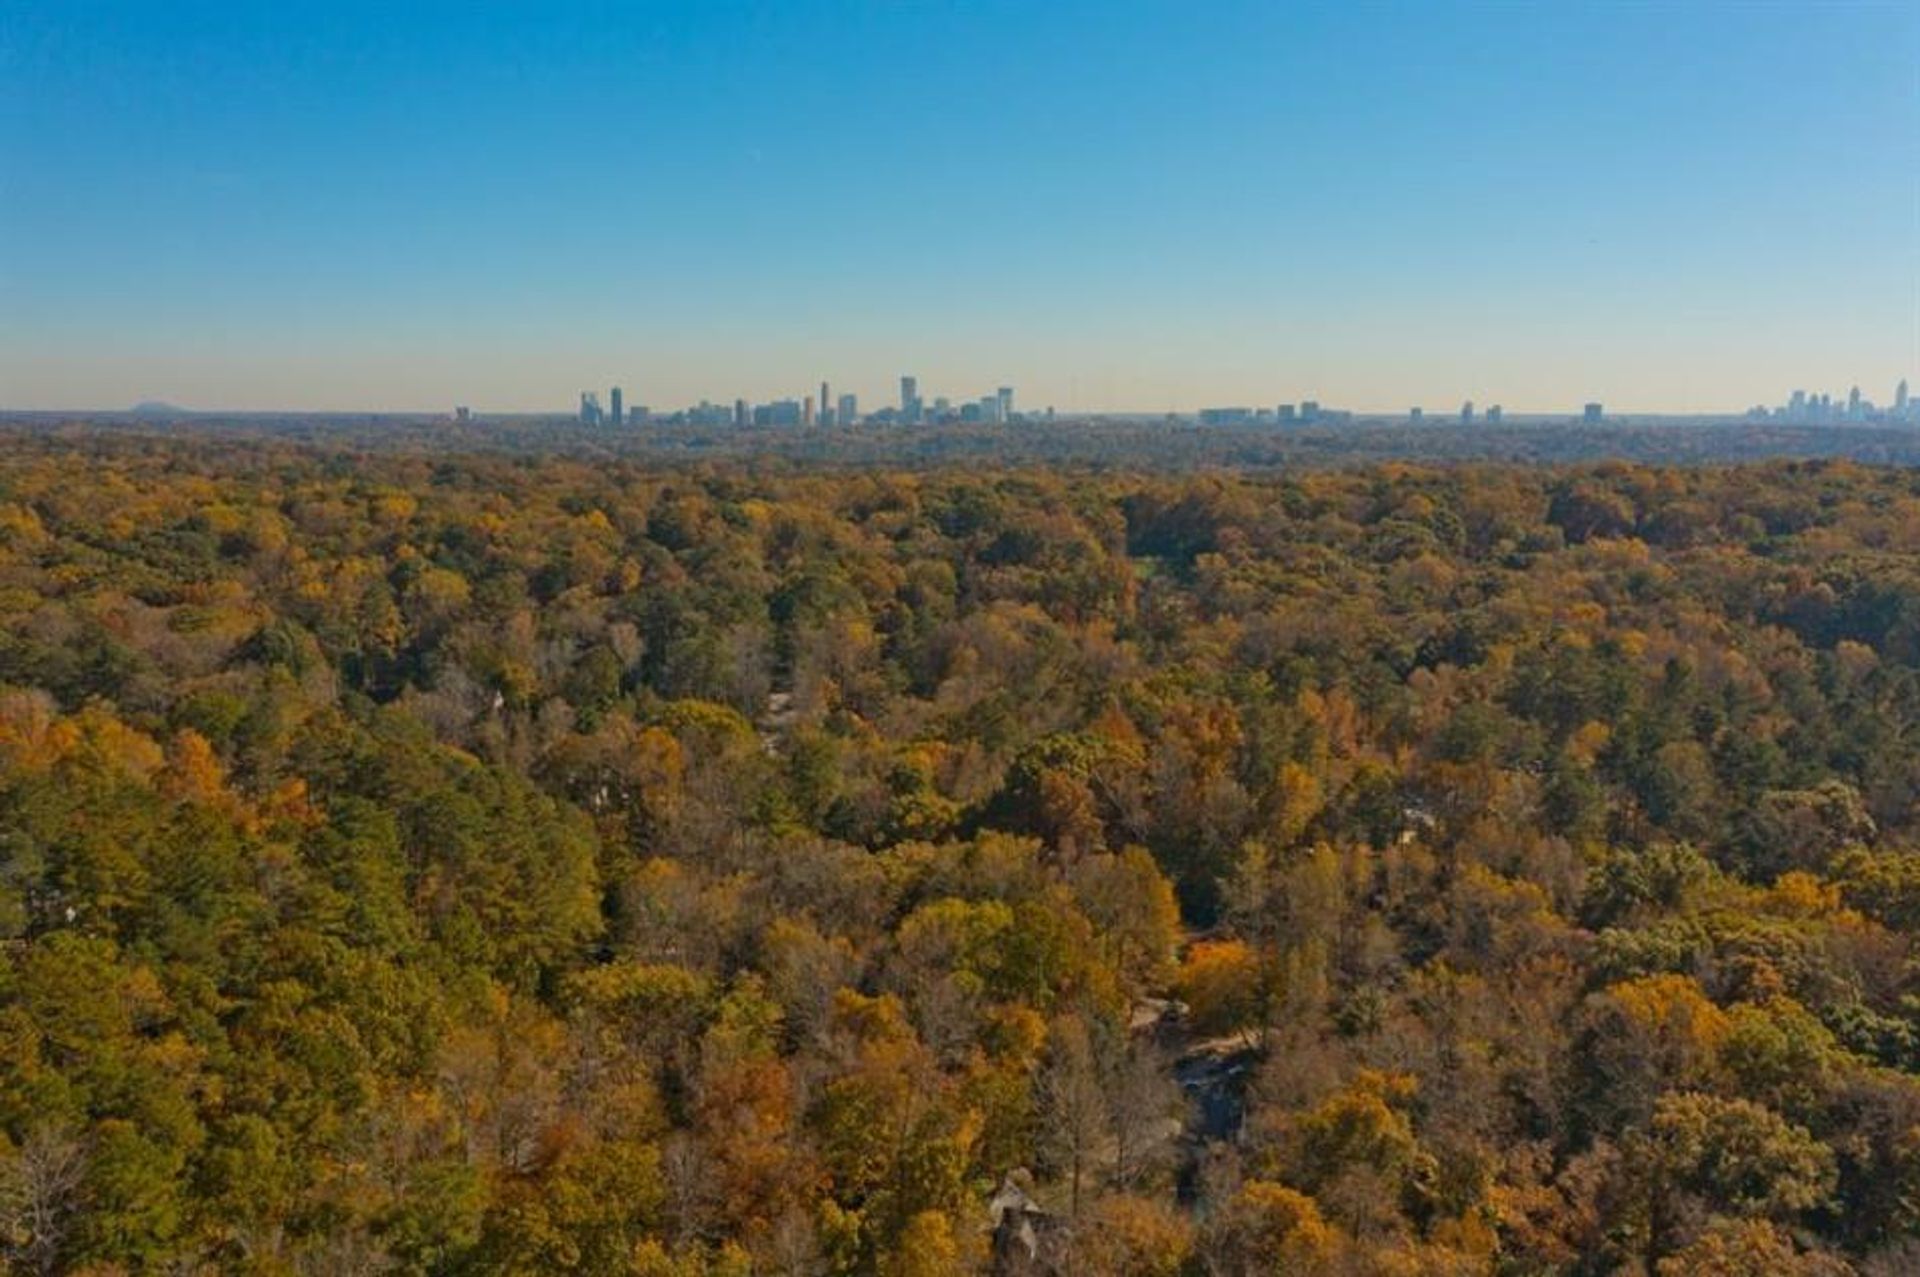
(1111, 205)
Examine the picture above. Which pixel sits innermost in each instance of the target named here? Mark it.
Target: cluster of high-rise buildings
(1493, 415)
(809, 410)
(991, 409)
(996, 408)
(1308, 412)
(1807, 409)
(592, 414)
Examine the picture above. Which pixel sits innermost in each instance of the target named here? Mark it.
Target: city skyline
(908, 406)
(1117, 208)
(1801, 407)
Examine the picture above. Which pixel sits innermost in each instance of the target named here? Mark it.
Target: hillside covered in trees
(457, 864)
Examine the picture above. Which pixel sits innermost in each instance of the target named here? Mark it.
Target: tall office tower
(990, 408)
(1309, 411)
(1466, 413)
(910, 399)
(806, 411)
(613, 406)
(740, 417)
(1286, 414)
(1006, 403)
(1495, 414)
(849, 410)
(1900, 396)
(1592, 414)
(1853, 404)
(826, 405)
(1415, 415)
(589, 408)
(1797, 406)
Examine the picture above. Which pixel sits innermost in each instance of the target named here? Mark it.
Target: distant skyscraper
(740, 415)
(1466, 413)
(1005, 395)
(806, 411)
(1495, 414)
(1415, 415)
(613, 406)
(589, 408)
(910, 399)
(849, 410)
(1900, 398)
(1309, 411)
(1855, 409)
(1592, 414)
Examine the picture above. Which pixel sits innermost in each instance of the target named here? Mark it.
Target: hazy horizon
(1679, 209)
(1434, 414)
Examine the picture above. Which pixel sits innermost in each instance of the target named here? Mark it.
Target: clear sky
(1108, 205)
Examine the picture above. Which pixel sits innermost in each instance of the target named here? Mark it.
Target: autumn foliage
(418, 863)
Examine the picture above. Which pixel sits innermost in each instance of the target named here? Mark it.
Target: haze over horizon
(1683, 208)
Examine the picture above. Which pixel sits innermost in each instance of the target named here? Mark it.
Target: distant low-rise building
(1225, 416)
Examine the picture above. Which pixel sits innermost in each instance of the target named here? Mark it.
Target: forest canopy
(448, 863)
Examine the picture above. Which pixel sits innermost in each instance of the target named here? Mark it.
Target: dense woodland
(1130, 443)
(418, 863)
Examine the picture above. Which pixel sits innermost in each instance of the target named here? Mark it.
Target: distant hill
(157, 408)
